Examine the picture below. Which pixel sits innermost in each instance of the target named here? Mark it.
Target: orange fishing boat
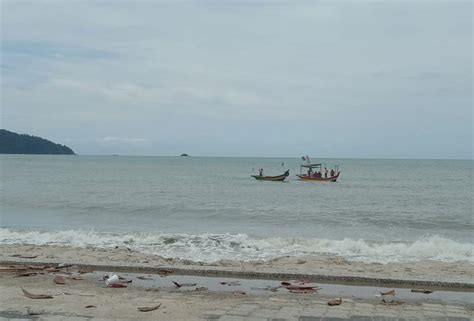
(315, 173)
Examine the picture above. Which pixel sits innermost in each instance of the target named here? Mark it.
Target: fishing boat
(314, 172)
(279, 178)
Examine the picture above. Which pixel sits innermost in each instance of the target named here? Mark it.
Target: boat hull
(279, 178)
(319, 179)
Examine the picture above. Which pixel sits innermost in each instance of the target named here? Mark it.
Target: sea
(210, 208)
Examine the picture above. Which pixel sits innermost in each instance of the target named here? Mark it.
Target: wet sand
(85, 296)
(456, 275)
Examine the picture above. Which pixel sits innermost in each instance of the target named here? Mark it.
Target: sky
(362, 79)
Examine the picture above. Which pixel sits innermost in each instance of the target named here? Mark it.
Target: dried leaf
(391, 292)
(422, 291)
(36, 296)
(51, 269)
(23, 274)
(8, 269)
(335, 302)
(117, 285)
(164, 272)
(301, 287)
(58, 279)
(90, 306)
(148, 309)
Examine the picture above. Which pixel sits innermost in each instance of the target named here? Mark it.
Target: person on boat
(325, 172)
(332, 172)
(260, 172)
(310, 171)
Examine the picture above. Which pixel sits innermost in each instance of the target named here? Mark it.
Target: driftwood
(148, 309)
(36, 296)
(335, 302)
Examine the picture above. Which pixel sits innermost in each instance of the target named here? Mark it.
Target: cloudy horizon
(369, 79)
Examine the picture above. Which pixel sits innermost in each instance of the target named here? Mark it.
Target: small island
(184, 155)
(13, 143)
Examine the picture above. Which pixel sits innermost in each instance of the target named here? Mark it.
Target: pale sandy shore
(85, 296)
(442, 274)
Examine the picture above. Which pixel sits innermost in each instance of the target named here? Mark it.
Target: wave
(213, 247)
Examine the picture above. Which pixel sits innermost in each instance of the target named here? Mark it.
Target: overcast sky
(382, 79)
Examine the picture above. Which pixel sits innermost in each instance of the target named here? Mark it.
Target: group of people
(319, 174)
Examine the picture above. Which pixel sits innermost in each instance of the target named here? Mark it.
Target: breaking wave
(213, 247)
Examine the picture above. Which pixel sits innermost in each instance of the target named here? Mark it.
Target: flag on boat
(306, 159)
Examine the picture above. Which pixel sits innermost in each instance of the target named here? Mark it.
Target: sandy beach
(85, 296)
(444, 274)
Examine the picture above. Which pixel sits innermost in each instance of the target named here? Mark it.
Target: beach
(85, 296)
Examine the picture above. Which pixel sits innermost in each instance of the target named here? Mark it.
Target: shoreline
(457, 276)
(207, 271)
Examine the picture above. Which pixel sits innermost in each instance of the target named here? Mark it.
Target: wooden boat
(279, 178)
(311, 175)
(305, 177)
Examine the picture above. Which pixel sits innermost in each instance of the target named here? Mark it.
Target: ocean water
(209, 208)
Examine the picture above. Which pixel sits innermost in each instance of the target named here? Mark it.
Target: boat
(279, 178)
(312, 175)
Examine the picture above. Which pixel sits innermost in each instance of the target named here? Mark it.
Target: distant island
(13, 143)
(184, 155)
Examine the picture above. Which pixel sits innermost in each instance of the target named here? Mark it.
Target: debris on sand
(164, 272)
(335, 302)
(22, 256)
(231, 283)
(178, 285)
(148, 309)
(299, 287)
(391, 292)
(424, 291)
(58, 279)
(23, 274)
(117, 285)
(145, 278)
(90, 306)
(110, 280)
(36, 296)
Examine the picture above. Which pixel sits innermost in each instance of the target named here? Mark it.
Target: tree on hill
(13, 143)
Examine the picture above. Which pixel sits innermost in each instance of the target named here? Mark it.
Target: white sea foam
(212, 247)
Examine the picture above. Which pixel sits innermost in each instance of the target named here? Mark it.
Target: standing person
(260, 172)
(325, 172)
(332, 172)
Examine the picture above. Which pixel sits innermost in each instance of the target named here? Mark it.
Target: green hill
(13, 143)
